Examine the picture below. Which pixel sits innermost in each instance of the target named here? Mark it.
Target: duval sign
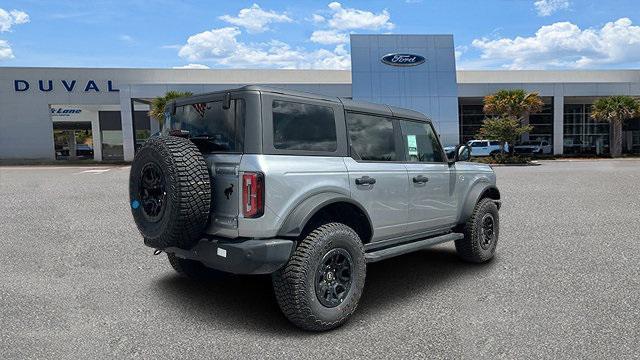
(397, 59)
(66, 85)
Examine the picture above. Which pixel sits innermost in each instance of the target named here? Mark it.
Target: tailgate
(225, 194)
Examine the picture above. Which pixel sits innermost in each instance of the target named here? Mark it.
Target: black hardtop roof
(359, 106)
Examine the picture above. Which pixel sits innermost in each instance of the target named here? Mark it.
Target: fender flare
(473, 196)
(300, 215)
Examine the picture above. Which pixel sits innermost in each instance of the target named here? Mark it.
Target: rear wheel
(480, 233)
(320, 287)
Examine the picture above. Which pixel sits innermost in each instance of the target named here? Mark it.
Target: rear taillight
(252, 194)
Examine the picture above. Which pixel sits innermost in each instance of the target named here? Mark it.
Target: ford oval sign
(403, 59)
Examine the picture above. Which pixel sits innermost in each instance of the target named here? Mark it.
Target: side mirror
(462, 153)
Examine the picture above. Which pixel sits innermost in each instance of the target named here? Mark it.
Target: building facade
(101, 114)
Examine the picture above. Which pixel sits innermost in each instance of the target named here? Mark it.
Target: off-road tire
(187, 199)
(194, 270)
(470, 248)
(295, 284)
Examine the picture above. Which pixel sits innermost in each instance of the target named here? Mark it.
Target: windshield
(210, 127)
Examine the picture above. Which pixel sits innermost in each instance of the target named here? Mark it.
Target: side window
(478, 144)
(372, 137)
(495, 143)
(421, 142)
(298, 126)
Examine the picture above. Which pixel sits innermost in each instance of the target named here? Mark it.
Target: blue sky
(489, 34)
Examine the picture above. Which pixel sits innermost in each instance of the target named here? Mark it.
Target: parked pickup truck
(533, 147)
(485, 147)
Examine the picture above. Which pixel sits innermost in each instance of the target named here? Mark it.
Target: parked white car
(533, 147)
(485, 147)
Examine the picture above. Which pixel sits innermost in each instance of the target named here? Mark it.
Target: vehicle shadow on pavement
(248, 301)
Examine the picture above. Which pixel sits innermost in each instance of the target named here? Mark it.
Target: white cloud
(255, 19)
(315, 18)
(548, 7)
(210, 44)
(329, 37)
(10, 18)
(565, 45)
(349, 19)
(460, 50)
(192, 66)
(7, 20)
(342, 20)
(127, 38)
(5, 51)
(222, 47)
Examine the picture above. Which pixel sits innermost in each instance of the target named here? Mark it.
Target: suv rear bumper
(254, 256)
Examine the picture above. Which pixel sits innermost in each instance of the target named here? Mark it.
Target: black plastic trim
(252, 256)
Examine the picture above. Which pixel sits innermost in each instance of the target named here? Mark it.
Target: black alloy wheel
(152, 192)
(488, 223)
(333, 277)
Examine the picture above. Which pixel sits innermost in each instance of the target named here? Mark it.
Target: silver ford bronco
(308, 188)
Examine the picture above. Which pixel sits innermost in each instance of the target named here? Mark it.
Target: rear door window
(300, 126)
(372, 137)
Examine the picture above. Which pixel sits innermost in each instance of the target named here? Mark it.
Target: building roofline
(547, 76)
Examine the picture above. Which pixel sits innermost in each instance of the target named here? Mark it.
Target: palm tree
(615, 110)
(509, 109)
(514, 103)
(158, 104)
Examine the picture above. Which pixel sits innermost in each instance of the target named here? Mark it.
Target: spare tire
(170, 192)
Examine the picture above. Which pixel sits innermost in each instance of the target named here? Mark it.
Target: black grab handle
(420, 179)
(365, 180)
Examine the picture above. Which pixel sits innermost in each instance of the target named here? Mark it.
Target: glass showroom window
(471, 117)
(111, 134)
(583, 135)
(631, 136)
(542, 123)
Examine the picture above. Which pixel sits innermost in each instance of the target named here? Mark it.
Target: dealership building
(101, 114)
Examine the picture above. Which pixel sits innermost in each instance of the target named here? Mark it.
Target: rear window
(298, 126)
(210, 127)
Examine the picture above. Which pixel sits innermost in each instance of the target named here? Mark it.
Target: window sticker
(412, 144)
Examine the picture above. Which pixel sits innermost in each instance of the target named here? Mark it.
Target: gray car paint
(395, 205)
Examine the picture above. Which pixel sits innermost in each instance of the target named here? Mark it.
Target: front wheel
(320, 287)
(480, 233)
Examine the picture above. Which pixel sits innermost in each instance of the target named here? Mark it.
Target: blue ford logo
(403, 59)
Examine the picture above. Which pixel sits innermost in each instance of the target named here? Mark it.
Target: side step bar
(383, 254)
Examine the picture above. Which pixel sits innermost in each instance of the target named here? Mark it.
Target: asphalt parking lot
(76, 281)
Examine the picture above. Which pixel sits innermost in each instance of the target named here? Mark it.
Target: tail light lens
(252, 194)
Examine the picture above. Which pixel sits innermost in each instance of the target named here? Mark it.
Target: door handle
(365, 180)
(420, 179)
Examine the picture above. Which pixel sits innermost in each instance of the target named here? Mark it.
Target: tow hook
(157, 252)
